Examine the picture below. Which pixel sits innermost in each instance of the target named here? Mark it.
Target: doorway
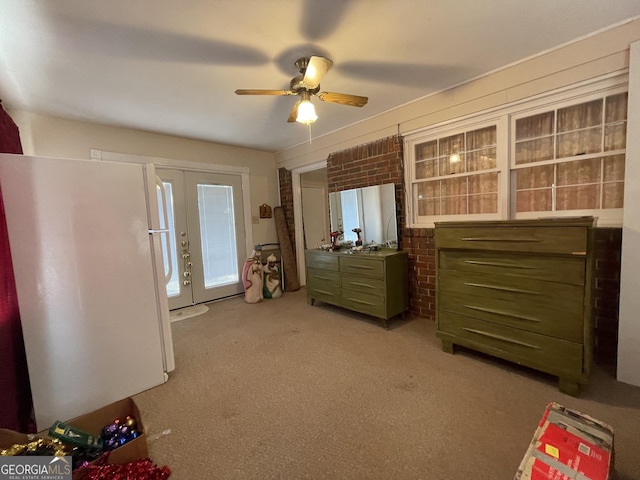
(314, 175)
(206, 222)
(314, 216)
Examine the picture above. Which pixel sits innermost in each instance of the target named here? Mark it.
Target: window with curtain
(562, 157)
(571, 158)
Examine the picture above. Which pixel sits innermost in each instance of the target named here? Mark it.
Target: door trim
(194, 167)
(297, 214)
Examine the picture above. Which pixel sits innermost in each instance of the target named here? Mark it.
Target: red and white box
(568, 445)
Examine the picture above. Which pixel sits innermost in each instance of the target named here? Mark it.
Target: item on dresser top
(334, 239)
(357, 231)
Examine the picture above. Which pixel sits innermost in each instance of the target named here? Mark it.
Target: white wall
(629, 327)
(55, 137)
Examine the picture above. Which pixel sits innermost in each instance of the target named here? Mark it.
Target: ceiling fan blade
(264, 92)
(316, 69)
(294, 112)
(343, 99)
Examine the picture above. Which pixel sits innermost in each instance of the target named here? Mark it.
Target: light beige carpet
(285, 390)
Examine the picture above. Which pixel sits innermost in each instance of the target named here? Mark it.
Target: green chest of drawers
(519, 290)
(374, 283)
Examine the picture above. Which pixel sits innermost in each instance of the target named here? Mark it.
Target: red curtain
(15, 391)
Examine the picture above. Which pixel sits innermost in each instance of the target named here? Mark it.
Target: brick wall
(420, 244)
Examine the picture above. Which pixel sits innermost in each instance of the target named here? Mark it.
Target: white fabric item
(187, 312)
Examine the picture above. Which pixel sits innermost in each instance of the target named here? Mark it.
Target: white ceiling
(171, 66)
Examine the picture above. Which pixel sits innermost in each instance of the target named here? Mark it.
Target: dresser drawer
(526, 294)
(567, 240)
(362, 266)
(323, 260)
(368, 303)
(544, 267)
(319, 277)
(361, 283)
(529, 348)
(538, 317)
(328, 292)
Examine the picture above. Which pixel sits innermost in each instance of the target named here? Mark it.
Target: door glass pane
(173, 286)
(217, 235)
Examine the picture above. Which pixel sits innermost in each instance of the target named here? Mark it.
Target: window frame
(413, 220)
(606, 217)
(504, 117)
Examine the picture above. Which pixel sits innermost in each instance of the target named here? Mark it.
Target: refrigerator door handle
(165, 215)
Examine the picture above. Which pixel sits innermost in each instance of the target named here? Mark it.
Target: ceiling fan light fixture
(306, 111)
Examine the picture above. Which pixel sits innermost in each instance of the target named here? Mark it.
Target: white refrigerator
(86, 246)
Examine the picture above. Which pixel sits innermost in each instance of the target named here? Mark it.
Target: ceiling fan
(305, 85)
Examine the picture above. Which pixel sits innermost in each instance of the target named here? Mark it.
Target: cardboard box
(9, 438)
(93, 423)
(568, 445)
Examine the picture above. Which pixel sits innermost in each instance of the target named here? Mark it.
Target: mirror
(371, 209)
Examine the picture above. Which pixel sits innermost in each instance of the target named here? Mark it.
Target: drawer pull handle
(496, 287)
(321, 277)
(500, 239)
(361, 301)
(360, 267)
(502, 338)
(324, 292)
(358, 284)
(502, 312)
(498, 264)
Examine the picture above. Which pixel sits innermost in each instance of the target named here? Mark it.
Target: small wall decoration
(265, 211)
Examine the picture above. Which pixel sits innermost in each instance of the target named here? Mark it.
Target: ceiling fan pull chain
(309, 125)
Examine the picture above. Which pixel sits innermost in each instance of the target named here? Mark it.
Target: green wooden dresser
(374, 283)
(519, 290)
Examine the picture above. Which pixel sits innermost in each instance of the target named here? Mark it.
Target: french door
(205, 215)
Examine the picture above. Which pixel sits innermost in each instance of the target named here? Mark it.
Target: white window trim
(444, 131)
(504, 118)
(606, 217)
